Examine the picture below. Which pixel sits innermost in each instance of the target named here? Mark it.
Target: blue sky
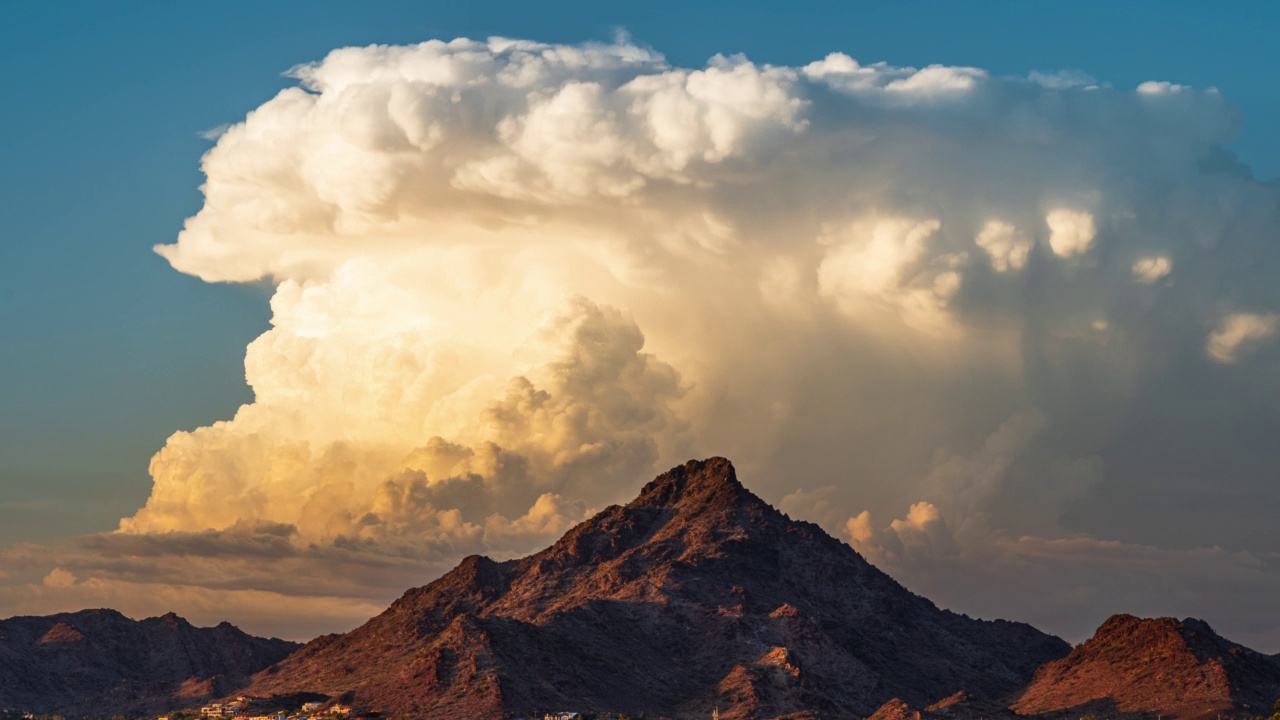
(105, 350)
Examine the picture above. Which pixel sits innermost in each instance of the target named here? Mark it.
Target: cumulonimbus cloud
(513, 280)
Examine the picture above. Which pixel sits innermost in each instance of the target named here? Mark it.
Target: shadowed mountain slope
(696, 594)
(99, 662)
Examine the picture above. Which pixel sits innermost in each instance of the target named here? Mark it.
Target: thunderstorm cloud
(1034, 319)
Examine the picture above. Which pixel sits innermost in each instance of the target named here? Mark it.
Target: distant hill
(697, 594)
(959, 706)
(1178, 669)
(99, 662)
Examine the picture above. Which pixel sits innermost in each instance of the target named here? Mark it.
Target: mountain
(959, 706)
(99, 662)
(697, 594)
(1178, 669)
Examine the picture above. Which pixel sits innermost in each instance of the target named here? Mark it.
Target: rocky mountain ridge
(1179, 669)
(99, 662)
(697, 594)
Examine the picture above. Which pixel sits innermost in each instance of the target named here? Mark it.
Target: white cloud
(872, 260)
(1160, 87)
(1071, 232)
(1007, 248)
(59, 578)
(937, 80)
(1239, 332)
(1150, 269)
(514, 280)
(881, 83)
(1062, 79)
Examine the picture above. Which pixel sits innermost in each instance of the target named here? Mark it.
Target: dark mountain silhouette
(1178, 669)
(697, 594)
(99, 662)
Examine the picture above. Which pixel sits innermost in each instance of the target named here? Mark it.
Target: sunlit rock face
(1131, 664)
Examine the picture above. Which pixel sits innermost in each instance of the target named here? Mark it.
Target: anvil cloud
(1034, 318)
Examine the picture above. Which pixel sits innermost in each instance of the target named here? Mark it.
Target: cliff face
(696, 594)
(100, 662)
(1179, 669)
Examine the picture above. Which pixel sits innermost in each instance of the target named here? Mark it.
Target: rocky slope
(696, 594)
(960, 706)
(99, 662)
(1178, 669)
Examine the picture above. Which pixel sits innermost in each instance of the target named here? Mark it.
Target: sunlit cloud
(1150, 269)
(1238, 332)
(514, 280)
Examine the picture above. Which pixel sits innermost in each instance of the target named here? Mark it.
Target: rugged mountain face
(1179, 669)
(696, 594)
(99, 662)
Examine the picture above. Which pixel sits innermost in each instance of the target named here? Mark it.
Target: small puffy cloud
(882, 83)
(925, 526)
(1071, 232)
(937, 80)
(59, 578)
(1160, 87)
(1006, 248)
(921, 537)
(1238, 332)
(546, 519)
(862, 534)
(1147, 270)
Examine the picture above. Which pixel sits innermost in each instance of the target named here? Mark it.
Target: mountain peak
(695, 595)
(1124, 623)
(62, 633)
(1113, 669)
(695, 482)
(1123, 633)
(174, 619)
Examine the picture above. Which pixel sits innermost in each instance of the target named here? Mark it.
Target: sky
(985, 289)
